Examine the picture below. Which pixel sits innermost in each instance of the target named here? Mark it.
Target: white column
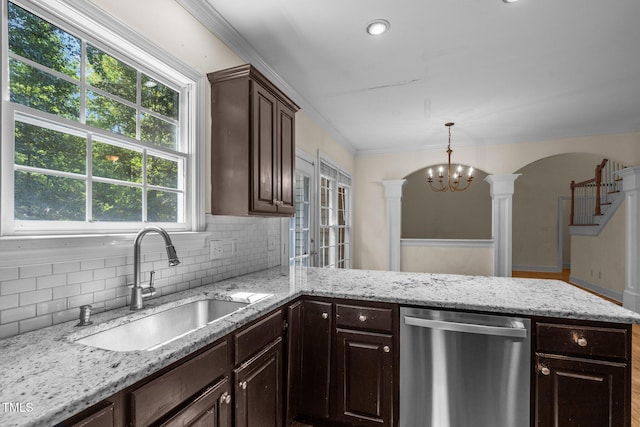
(393, 196)
(631, 187)
(502, 188)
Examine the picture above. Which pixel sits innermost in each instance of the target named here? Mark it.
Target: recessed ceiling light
(377, 27)
(510, 1)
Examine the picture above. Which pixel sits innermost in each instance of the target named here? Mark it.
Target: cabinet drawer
(254, 338)
(161, 395)
(362, 317)
(211, 408)
(582, 340)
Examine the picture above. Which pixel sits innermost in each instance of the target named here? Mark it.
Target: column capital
(502, 185)
(630, 178)
(393, 187)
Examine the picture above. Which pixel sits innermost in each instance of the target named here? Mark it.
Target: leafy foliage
(51, 181)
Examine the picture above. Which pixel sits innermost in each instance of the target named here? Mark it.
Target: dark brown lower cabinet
(364, 368)
(102, 415)
(212, 408)
(582, 374)
(572, 392)
(259, 389)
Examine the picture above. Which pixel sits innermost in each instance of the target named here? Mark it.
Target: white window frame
(333, 226)
(86, 20)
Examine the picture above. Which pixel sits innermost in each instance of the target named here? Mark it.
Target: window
(96, 136)
(335, 218)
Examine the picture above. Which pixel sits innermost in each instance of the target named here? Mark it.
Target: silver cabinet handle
(544, 370)
(582, 342)
(225, 398)
(243, 385)
(325, 315)
(386, 349)
(362, 318)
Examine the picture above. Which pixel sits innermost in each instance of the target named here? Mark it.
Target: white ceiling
(504, 73)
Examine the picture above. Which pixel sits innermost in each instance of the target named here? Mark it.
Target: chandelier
(453, 178)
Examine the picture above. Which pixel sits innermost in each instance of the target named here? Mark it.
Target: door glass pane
(40, 197)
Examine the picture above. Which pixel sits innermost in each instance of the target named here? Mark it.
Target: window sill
(23, 250)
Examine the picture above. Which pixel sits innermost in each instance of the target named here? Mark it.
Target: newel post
(502, 188)
(393, 196)
(631, 187)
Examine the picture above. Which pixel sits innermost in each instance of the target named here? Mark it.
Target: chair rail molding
(393, 196)
(631, 188)
(502, 188)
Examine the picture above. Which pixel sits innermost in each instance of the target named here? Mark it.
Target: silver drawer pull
(362, 318)
(544, 370)
(386, 349)
(243, 385)
(325, 315)
(582, 342)
(225, 398)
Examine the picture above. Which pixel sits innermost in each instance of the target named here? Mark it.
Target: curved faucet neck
(171, 252)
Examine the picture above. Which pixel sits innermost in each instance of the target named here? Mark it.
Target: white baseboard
(609, 293)
(540, 268)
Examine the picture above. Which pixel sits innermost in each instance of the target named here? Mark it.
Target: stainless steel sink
(158, 329)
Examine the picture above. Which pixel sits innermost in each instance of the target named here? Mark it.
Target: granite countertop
(47, 377)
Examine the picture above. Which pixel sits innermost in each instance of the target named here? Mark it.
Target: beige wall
(535, 207)
(171, 27)
(447, 260)
(600, 260)
(427, 214)
(369, 212)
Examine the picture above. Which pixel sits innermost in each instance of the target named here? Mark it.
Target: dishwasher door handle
(519, 331)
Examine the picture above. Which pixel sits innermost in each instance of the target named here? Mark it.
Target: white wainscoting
(448, 256)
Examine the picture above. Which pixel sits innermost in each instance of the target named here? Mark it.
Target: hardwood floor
(635, 350)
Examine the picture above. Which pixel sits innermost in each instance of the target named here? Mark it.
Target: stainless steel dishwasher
(464, 369)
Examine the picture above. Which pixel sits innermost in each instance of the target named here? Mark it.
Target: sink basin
(158, 329)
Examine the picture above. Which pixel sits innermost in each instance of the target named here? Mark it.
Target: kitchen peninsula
(56, 378)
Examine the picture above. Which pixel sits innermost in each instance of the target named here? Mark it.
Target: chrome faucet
(137, 291)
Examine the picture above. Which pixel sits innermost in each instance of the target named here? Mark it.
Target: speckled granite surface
(53, 378)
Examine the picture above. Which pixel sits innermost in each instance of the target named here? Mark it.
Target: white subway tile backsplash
(35, 271)
(51, 306)
(66, 267)
(35, 296)
(10, 273)
(66, 291)
(80, 276)
(9, 330)
(9, 301)
(19, 313)
(35, 323)
(51, 281)
(17, 286)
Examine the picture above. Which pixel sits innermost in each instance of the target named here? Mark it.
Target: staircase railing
(588, 197)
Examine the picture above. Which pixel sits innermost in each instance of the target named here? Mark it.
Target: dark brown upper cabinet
(252, 145)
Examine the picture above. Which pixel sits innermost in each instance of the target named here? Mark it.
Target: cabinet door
(103, 416)
(264, 152)
(258, 389)
(572, 392)
(311, 330)
(286, 149)
(212, 408)
(364, 378)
